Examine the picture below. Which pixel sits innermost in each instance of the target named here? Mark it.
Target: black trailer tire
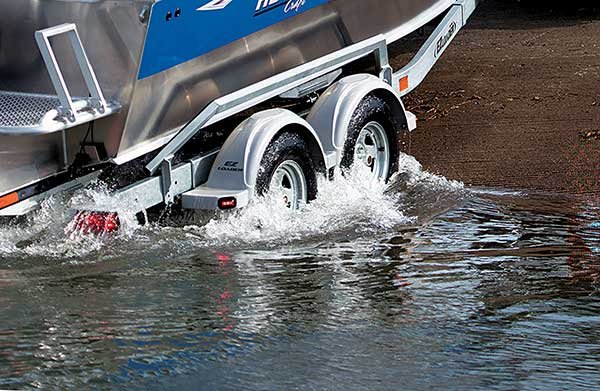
(373, 112)
(288, 153)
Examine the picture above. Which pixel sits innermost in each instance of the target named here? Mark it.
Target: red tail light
(97, 223)
(227, 203)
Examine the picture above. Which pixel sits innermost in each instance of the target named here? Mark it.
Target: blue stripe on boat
(201, 26)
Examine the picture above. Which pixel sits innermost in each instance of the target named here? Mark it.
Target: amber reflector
(9, 199)
(404, 83)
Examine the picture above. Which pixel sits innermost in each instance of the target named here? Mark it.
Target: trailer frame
(166, 182)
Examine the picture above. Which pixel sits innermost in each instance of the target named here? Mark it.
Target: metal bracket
(68, 109)
(148, 192)
(312, 86)
(166, 178)
(383, 63)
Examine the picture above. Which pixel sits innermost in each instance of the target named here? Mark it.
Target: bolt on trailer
(136, 93)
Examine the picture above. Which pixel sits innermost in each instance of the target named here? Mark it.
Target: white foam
(355, 202)
(411, 173)
(98, 196)
(51, 232)
(348, 205)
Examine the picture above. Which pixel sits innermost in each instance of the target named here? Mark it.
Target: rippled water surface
(424, 284)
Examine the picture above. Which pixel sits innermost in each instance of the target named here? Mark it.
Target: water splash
(351, 204)
(50, 232)
(347, 206)
(99, 198)
(413, 178)
(354, 203)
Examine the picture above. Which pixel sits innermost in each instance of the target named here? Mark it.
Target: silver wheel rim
(288, 185)
(373, 150)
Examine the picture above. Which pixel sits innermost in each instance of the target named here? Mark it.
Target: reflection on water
(479, 289)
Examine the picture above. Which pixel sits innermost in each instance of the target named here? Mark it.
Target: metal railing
(67, 108)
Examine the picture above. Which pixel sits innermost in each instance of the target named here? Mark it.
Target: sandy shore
(515, 101)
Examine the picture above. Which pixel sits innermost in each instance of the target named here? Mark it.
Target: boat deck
(21, 110)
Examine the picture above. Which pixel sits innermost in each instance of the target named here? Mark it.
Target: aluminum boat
(158, 63)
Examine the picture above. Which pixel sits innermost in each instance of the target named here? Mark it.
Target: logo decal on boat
(294, 5)
(263, 6)
(445, 39)
(214, 5)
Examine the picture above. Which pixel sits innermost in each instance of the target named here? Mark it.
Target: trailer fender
(237, 165)
(331, 115)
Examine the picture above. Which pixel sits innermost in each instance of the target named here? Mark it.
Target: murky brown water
(428, 286)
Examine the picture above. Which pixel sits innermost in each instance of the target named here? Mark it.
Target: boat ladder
(33, 114)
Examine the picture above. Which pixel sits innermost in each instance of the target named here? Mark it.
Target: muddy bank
(515, 101)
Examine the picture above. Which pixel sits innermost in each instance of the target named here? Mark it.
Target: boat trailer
(231, 175)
